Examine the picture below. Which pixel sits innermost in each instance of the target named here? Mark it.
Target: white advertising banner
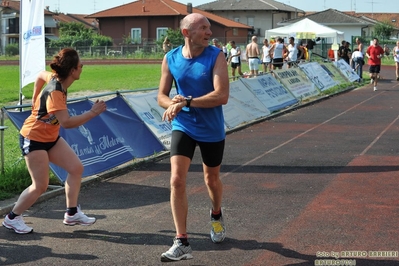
(146, 107)
(270, 92)
(297, 82)
(346, 70)
(318, 76)
(333, 71)
(243, 106)
(32, 45)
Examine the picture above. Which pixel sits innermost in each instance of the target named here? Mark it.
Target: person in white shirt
(266, 56)
(293, 49)
(357, 61)
(235, 59)
(277, 51)
(395, 52)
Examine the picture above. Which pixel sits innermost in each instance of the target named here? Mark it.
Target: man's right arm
(172, 106)
(165, 85)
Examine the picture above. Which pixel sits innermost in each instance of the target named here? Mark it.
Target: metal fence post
(2, 128)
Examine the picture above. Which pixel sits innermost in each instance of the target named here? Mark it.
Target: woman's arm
(41, 79)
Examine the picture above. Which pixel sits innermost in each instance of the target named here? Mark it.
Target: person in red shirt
(374, 53)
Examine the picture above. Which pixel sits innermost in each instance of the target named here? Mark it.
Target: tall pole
(2, 128)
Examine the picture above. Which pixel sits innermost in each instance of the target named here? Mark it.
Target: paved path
(318, 180)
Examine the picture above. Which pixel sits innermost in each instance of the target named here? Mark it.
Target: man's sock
(216, 214)
(183, 238)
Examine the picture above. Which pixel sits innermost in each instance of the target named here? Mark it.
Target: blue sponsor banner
(116, 136)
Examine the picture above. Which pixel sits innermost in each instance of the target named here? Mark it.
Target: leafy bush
(12, 49)
(74, 34)
(101, 40)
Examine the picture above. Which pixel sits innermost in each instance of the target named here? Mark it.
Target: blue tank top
(194, 77)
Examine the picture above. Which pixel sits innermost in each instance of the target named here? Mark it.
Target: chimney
(189, 8)
(48, 8)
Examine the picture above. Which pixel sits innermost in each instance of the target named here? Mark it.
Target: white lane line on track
(379, 136)
(304, 133)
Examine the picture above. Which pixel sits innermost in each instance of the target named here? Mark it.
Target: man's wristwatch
(188, 99)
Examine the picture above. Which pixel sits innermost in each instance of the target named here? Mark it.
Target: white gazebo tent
(308, 29)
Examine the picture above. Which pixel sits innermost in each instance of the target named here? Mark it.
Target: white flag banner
(32, 46)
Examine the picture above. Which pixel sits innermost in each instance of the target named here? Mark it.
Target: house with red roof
(147, 21)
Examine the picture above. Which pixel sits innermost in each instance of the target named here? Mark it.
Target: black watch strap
(188, 99)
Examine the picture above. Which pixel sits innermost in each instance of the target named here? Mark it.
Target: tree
(383, 30)
(76, 34)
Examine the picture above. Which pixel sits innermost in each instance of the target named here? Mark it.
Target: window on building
(235, 32)
(161, 32)
(251, 21)
(13, 25)
(236, 19)
(12, 40)
(136, 35)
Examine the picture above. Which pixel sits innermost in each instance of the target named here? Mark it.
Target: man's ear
(184, 32)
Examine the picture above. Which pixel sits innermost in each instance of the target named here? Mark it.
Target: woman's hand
(98, 107)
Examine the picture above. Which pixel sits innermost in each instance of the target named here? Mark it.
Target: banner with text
(318, 75)
(334, 73)
(32, 45)
(297, 82)
(108, 140)
(243, 106)
(146, 106)
(270, 92)
(346, 70)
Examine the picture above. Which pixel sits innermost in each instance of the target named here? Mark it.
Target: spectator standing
(395, 51)
(346, 53)
(293, 50)
(166, 45)
(202, 84)
(310, 45)
(360, 49)
(225, 51)
(341, 49)
(359, 45)
(235, 59)
(216, 43)
(331, 55)
(277, 50)
(386, 50)
(374, 54)
(252, 53)
(41, 144)
(266, 56)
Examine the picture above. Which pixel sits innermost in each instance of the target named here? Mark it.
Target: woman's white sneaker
(78, 218)
(17, 224)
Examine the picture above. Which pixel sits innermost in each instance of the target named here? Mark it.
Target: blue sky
(92, 6)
